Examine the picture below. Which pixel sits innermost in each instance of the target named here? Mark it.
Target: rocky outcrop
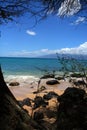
(72, 110)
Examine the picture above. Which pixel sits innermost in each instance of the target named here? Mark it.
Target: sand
(21, 92)
(26, 91)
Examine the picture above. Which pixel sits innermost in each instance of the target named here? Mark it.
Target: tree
(10, 9)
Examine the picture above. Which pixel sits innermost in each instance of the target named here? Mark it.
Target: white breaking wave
(20, 78)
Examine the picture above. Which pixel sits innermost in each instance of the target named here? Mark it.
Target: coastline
(28, 86)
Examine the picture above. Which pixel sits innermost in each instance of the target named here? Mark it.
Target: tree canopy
(9, 9)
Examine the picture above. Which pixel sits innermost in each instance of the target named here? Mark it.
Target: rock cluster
(26, 101)
(39, 101)
(50, 95)
(72, 110)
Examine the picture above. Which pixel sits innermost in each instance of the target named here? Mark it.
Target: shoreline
(27, 88)
(29, 84)
(26, 91)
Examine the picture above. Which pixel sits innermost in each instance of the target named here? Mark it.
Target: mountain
(49, 56)
(82, 57)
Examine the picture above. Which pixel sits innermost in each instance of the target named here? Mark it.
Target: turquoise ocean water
(27, 66)
(25, 69)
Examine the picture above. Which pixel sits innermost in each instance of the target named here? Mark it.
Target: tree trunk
(12, 116)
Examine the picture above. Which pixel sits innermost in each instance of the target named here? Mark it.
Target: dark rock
(39, 101)
(72, 110)
(80, 82)
(52, 82)
(50, 95)
(32, 87)
(14, 84)
(72, 94)
(38, 116)
(26, 101)
(77, 75)
(60, 78)
(48, 76)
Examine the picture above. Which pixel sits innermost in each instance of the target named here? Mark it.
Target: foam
(20, 78)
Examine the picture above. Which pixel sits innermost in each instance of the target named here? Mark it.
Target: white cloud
(79, 20)
(29, 32)
(81, 49)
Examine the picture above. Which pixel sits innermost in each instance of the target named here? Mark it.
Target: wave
(20, 78)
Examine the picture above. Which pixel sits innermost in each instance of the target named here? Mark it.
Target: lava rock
(39, 101)
(72, 110)
(38, 116)
(80, 82)
(26, 101)
(72, 94)
(50, 95)
(59, 78)
(14, 84)
(52, 82)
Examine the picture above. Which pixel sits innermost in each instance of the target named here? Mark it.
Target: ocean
(32, 68)
(25, 69)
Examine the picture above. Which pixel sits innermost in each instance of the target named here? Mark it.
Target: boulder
(72, 110)
(39, 101)
(52, 82)
(38, 116)
(14, 84)
(80, 82)
(50, 95)
(26, 101)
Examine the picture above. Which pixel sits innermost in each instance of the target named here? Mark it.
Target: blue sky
(51, 35)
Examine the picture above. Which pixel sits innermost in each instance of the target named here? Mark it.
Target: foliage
(71, 66)
(9, 9)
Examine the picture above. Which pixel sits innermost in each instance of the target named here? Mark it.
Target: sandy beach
(26, 90)
(22, 92)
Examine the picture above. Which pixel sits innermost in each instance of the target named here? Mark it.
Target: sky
(49, 36)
